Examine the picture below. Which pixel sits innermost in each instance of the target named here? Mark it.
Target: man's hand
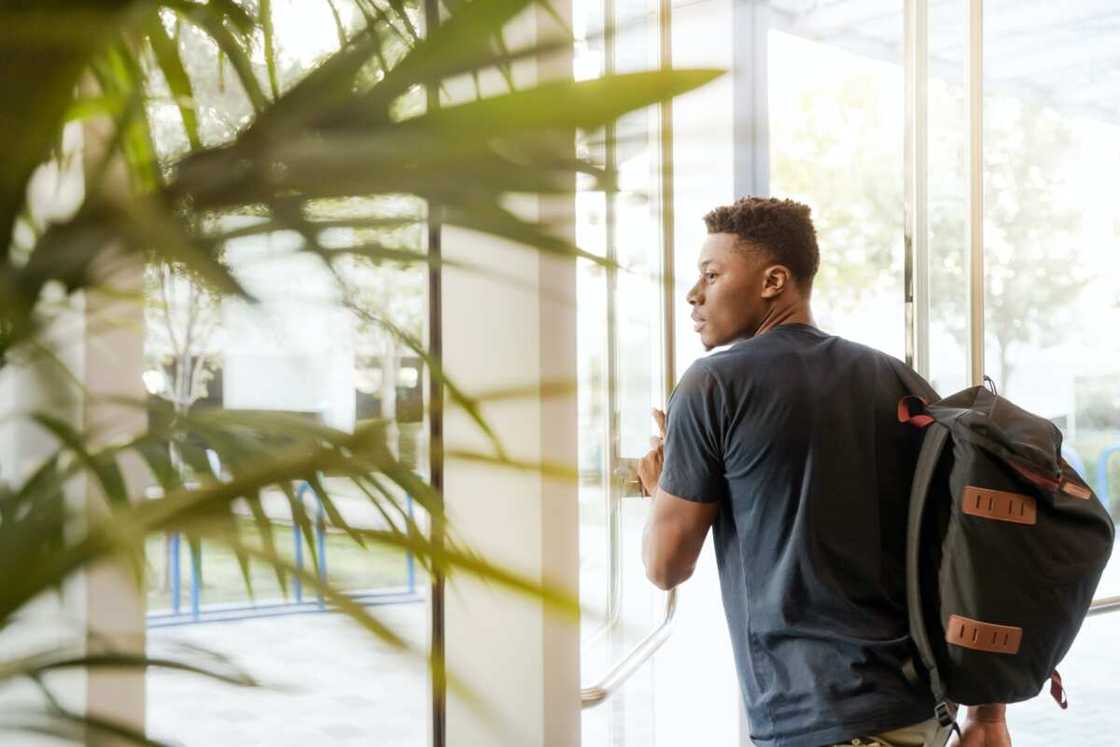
(986, 727)
(649, 466)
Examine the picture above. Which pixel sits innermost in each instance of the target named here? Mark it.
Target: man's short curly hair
(782, 228)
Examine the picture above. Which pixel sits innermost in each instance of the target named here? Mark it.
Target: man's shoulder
(831, 353)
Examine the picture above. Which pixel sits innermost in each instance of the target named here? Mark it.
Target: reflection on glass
(274, 356)
(296, 351)
(1051, 232)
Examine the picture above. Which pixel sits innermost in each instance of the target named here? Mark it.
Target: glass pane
(620, 369)
(594, 537)
(598, 581)
(271, 359)
(836, 128)
(1051, 226)
(299, 350)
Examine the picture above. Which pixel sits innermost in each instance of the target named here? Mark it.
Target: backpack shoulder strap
(936, 436)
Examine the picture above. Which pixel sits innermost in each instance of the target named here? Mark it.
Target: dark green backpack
(1005, 546)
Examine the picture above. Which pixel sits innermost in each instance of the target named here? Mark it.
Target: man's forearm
(655, 573)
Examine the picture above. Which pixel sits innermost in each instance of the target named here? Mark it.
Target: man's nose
(694, 296)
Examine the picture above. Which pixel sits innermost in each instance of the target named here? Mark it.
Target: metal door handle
(627, 474)
(624, 480)
(619, 673)
(1103, 605)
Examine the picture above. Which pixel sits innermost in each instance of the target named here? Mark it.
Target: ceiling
(1063, 54)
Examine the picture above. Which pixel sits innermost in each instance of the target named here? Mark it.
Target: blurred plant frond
(336, 148)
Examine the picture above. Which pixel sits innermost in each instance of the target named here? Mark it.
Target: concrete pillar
(520, 659)
(95, 340)
(112, 356)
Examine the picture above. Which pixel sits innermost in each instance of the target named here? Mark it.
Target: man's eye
(709, 276)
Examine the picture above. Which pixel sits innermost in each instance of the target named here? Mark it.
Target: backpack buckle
(947, 716)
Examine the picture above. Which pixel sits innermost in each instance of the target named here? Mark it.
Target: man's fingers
(654, 442)
(659, 416)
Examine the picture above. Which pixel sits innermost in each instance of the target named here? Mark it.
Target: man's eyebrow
(704, 264)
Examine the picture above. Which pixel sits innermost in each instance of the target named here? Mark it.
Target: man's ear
(775, 280)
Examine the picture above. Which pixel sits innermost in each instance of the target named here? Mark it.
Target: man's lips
(697, 323)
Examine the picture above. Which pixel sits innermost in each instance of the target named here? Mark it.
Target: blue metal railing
(240, 610)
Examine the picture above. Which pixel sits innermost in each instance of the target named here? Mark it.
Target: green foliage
(845, 158)
(352, 131)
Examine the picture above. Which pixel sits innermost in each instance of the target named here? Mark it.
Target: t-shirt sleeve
(693, 466)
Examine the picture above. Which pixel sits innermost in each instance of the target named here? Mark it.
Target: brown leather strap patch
(999, 505)
(982, 636)
(1077, 491)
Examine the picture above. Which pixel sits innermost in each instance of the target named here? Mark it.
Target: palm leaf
(105, 469)
(40, 73)
(166, 52)
(331, 510)
(337, 132)
(265, 17)
(459, 44)
(264, 528)
(232, 46)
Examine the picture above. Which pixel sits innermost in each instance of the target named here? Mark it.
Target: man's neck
(795, 313)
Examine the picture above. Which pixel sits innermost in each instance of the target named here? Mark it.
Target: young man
(788, 444)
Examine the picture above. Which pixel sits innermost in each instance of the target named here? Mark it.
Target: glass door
(622, 370)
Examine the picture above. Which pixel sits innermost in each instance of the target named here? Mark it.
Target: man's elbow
(665, 576)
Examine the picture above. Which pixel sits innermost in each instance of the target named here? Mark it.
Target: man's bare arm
(986, 727)
(675, 531)
(673, 538)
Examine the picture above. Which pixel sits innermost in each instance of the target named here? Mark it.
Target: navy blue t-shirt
(795, 432)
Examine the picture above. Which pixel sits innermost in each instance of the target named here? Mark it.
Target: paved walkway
(1089, 675)
(340, 685)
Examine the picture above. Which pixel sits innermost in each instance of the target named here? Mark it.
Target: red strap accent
(919, 421)
(1057, 691)
(1046, 483)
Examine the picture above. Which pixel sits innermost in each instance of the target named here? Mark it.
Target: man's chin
(711, 342)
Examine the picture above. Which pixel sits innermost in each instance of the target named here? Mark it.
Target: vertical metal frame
(438, 649)
(916, 168)
(975, 57)
(668, 243)
(598, 693)
(614, 486)
(435, 456)
(751, 22)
